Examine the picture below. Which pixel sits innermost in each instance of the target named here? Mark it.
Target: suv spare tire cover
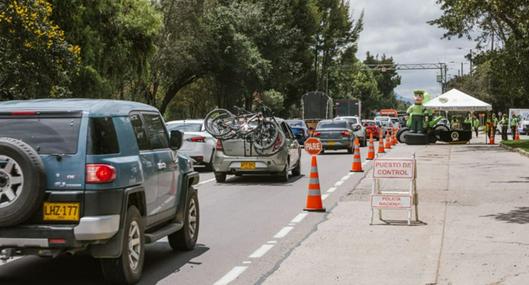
(22, 181)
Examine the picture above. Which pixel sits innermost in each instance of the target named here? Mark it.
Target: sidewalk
(475, 201)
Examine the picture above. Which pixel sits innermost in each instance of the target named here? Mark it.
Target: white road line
(271, 242)
(261, 251)
(246, 262)
(283, 232)
(232, 275)
(332, 189)
(339, 183)
(299, 218)
(206, 181)
(345, 178)
(324, 196)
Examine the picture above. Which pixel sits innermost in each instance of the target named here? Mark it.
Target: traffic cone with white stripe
(381, 142)
(516, 135)
(394, 140)
(314, 202)
(370, 148)
(357, 160)
(388, 142)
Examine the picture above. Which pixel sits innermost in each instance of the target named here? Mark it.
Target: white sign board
(386, 201)
(394, 168)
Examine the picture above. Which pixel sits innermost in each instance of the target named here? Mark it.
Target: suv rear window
(189, 127)
(102, 138)
(332, 125)
(45, 135)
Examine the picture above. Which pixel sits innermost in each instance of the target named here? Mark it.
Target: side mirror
(176, 139)
(357, 128)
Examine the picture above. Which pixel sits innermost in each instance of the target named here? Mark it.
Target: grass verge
(522, 144)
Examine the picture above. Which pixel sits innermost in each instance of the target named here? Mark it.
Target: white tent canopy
(455, 100)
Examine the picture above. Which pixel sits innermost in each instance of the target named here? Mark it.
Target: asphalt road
(248, 225)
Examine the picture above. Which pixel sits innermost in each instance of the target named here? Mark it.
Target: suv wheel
(127, 268)
(220, 177)
(297, 170)
(22, 181)
(186, 238)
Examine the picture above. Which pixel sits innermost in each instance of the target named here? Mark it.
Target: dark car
(300, 130)
(334, 135)
(96, 176)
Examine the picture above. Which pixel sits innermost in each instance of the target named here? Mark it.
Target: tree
(36, 59)
(387, 80)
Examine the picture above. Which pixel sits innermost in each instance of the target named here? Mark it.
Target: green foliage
(387, 80)
(36, 60)
(274, 100)
(501, 31)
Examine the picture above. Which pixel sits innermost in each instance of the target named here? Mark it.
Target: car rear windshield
(194, 127)
(45, 135)
(102, 138)
(294, 124)
(332, 125)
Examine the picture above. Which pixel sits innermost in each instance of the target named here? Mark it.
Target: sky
(398, 29)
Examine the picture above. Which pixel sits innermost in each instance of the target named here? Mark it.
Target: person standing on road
(475, 124)
(504, 124)
(514, 125)
(494, 123)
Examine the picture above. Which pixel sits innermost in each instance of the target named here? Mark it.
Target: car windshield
(45, 135)
(294, 124)
(332, 125)
(350, 120)
(186, 127)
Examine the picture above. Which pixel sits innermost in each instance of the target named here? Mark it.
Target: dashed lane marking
(232, 275)
(324, 196)
(299, 217)
(283, 232)
(260, 252)
(332, 189)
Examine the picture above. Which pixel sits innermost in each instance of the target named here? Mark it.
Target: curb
(514, 149)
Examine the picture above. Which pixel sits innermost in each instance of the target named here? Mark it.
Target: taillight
(23, 113)
(100, 173)
(316, 134)
(277, 143)
(345, 134)
(219, 146)
(197, 139)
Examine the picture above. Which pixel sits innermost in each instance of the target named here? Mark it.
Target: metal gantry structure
(442, 77)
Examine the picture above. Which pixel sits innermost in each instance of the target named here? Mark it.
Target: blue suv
(97, 176)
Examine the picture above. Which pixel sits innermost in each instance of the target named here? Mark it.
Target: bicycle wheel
(266, 135)
(274, 148)
(219, 123)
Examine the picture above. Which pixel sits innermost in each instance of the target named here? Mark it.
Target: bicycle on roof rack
(259, 128)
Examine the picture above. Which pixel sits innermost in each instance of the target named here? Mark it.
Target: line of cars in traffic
(238, 156)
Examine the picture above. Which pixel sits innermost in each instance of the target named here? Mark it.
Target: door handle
(161, 165)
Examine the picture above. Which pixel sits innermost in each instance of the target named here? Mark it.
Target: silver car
(239, 156)
(357, 127)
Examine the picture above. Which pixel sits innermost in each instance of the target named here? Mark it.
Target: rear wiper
(58, 156)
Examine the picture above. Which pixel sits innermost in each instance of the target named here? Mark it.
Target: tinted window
(139, 131)
(332, 125)
(298, 124)
(156, 130)
(45, 135)
(194, 127)
(286, 130)
(102, 138)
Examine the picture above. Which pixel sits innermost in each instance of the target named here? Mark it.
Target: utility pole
(461, 68)
(470, 61)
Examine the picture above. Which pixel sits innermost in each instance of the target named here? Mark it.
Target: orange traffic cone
(357, 160)
(314, 202)
(370, 148)
(516, 135)
(388, 142)
(381, 143)
(491, 138)
(394, 137)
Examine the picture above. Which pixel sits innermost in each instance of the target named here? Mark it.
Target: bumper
(89, 230)
(201, 153)
(263, 164)
(336, 144)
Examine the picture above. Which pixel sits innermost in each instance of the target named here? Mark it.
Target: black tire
(186, 238)
(120, 270)
(363, 142)
(297, 170)
(22, 160)
(401, 134)
(350, 149)
(322, 151)
(220, 177)
(416, 138)
(283, 175)
(437, 130)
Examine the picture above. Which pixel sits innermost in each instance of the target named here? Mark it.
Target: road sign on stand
(394, 168)
(313, 146)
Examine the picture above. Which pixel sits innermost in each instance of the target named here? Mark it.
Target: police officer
(504, 124)
(494, 123)
(514, 125)
(475, 124)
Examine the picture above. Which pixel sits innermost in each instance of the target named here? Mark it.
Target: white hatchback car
(197, 143)
(356, 125)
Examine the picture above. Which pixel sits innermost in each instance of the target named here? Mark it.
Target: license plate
(331, 142)
(61, 211)
(246, 165)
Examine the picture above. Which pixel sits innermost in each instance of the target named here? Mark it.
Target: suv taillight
(316, 134)
(100, 173)
(345, 134)
(219, 146)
